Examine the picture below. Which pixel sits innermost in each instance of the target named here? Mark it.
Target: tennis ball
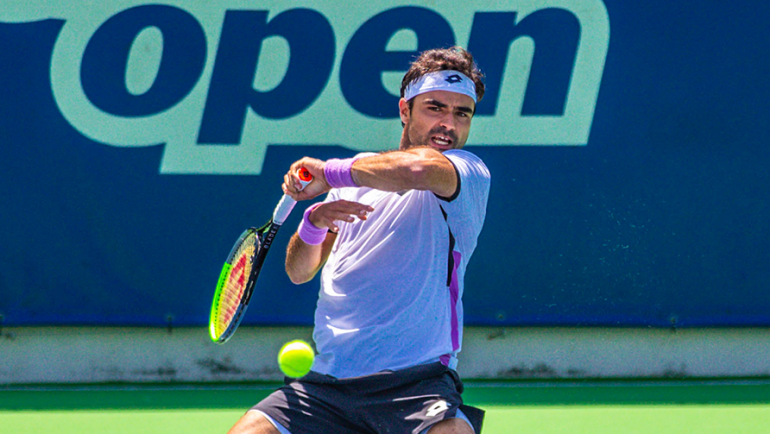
(296, 358)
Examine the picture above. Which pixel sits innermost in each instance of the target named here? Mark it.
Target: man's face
(438, 119)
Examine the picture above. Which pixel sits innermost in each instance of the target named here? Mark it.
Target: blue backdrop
(660, 220)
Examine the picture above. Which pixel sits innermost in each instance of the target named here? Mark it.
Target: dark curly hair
(442, 59)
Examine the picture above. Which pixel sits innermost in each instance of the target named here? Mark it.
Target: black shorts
(405, 401)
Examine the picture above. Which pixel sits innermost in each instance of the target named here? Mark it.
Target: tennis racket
(241, 269)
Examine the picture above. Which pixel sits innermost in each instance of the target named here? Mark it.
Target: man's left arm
(420, 168)
(413, 169)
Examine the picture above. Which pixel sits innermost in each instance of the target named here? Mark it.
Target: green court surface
(517, 407)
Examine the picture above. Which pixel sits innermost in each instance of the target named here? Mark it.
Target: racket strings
(234, 285)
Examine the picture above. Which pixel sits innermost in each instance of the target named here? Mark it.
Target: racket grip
(305, 177)
(283, 209)
(286, 204)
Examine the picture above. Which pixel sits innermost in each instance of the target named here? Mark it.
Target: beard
(411, 138)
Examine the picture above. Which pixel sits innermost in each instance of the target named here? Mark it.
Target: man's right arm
(303, 260)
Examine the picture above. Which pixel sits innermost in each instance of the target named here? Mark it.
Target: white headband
(451, 81)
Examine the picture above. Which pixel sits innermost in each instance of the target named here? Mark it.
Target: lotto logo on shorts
(437, 408)
(216, 83)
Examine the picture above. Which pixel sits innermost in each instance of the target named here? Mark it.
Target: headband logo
(453, 79)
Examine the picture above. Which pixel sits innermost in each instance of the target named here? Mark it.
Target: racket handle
(286, 204)
(283, 209)
(305, 177)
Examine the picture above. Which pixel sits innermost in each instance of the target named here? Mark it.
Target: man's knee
(253, 422)
(451, 426)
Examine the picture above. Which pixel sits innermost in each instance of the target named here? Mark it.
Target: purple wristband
(308, 232)
(337, 172)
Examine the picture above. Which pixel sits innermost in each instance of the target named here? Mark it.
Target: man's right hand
(327, 214)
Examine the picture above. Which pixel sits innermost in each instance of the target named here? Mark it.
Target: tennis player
(393, 237)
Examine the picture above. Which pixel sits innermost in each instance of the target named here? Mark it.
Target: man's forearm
(413, 169)
(304, 260)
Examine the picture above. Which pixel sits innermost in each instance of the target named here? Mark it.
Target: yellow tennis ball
(296, 358)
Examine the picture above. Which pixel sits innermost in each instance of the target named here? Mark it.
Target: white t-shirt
(388, 300)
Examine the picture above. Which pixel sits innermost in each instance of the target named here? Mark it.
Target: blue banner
(626, 142)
